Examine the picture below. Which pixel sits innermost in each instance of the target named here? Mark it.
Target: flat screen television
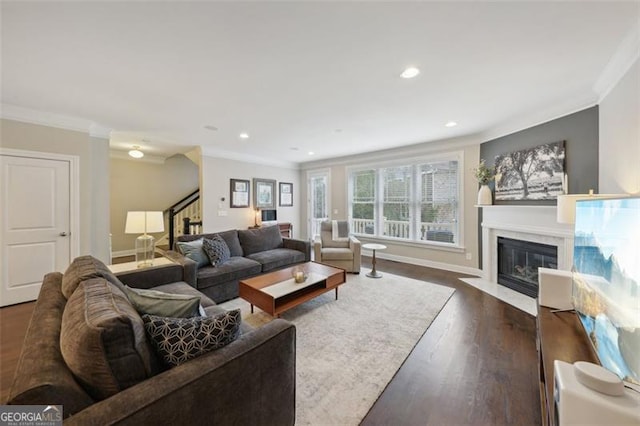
(269, 215)
(606, 281)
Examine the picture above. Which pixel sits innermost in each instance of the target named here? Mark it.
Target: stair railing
(188, 206)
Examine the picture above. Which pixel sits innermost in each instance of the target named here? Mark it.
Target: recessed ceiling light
(135, 152)
(410, 72)
(244, 135)
(451, 124)
(210, 127)
(311, 152)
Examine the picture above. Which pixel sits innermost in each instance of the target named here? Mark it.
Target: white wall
(94, 174)
(215, 185)
(620, 136)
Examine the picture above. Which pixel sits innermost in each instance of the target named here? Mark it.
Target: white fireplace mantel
(537, 224)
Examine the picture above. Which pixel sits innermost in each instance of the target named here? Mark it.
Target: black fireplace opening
(518, 263)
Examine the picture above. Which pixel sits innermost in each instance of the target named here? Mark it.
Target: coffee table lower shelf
(256, 290)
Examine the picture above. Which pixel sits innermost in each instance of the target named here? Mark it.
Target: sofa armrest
(299, 245)
(190, 266)
(250, 381)
(152, 276)
(317, 248)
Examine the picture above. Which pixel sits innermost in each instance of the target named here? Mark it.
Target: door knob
(63, 234)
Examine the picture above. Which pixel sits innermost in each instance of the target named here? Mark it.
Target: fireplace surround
(531, 223)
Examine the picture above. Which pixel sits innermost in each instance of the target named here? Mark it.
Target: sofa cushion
(216, 249)
(154, 302)
(194, 251)
(103, 341)
(42, 377)
(83, 268)
(231, 238)
(277, 258)
(337, 254)
(259, 239)
(235, 268)
(178, 340)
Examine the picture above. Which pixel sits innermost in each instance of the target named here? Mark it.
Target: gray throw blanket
(339, 230)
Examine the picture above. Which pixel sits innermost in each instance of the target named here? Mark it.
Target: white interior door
(35, 224)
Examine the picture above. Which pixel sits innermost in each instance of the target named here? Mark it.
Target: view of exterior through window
(417, 202)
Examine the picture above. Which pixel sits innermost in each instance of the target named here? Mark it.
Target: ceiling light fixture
(135, 152)
(311, 152)
(410, 72)
(451, 124)
(244, 135)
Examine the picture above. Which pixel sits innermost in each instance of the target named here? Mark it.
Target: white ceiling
(304, 76)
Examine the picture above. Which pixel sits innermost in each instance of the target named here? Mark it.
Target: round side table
(374, 247)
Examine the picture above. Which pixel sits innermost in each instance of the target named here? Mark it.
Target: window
(415, 201)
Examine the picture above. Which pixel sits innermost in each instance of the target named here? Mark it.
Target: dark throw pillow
(193, 250)
(216, 249)
(178, 340)
(154, 302)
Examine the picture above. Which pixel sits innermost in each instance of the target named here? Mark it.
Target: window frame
(415, 203)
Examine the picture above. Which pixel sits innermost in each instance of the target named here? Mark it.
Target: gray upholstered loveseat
(86, 349)
(253, 252)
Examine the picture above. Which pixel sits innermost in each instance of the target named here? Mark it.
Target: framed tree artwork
(264, 193)
(286, 194)
(239, 193)
(531, 174)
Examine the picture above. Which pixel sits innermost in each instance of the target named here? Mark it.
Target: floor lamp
(144, 222)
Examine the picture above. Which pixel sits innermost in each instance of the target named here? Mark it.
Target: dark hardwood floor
(475, 365)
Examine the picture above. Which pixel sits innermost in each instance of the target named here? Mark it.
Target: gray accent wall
(580, 133)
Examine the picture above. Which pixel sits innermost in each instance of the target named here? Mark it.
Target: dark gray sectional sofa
(86, 349)
(253, 252)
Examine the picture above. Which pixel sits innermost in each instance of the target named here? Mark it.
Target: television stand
(559, 336)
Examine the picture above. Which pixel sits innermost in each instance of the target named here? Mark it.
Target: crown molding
(627, 53)
(124, 155)
(247, 158)
(28, 115)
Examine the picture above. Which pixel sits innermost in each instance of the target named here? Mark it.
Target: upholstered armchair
(334, 246)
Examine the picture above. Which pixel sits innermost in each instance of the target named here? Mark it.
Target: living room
(583, 91)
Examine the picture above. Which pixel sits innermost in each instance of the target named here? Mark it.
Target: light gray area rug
(349, 349)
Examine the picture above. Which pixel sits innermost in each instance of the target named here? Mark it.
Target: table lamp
(144, 222)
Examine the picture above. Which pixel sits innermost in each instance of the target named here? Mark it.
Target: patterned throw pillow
(217, 250)
(178, 340)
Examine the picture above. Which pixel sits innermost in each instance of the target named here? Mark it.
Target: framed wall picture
(286, 194)
(531, 174)
(239, 193)
(264, 193)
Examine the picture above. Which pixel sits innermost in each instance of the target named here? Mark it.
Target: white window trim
(459, 246)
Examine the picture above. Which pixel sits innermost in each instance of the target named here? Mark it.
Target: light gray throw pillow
(194, 251)
(154, 302)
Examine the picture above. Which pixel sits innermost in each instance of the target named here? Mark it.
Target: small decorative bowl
(299, 275)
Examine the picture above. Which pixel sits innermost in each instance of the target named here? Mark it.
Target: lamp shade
(142, 222)
(566, 212)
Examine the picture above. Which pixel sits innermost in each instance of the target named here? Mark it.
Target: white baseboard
(428, 263)
(123, 253)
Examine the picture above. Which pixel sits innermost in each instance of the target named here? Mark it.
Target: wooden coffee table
(276, 292)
